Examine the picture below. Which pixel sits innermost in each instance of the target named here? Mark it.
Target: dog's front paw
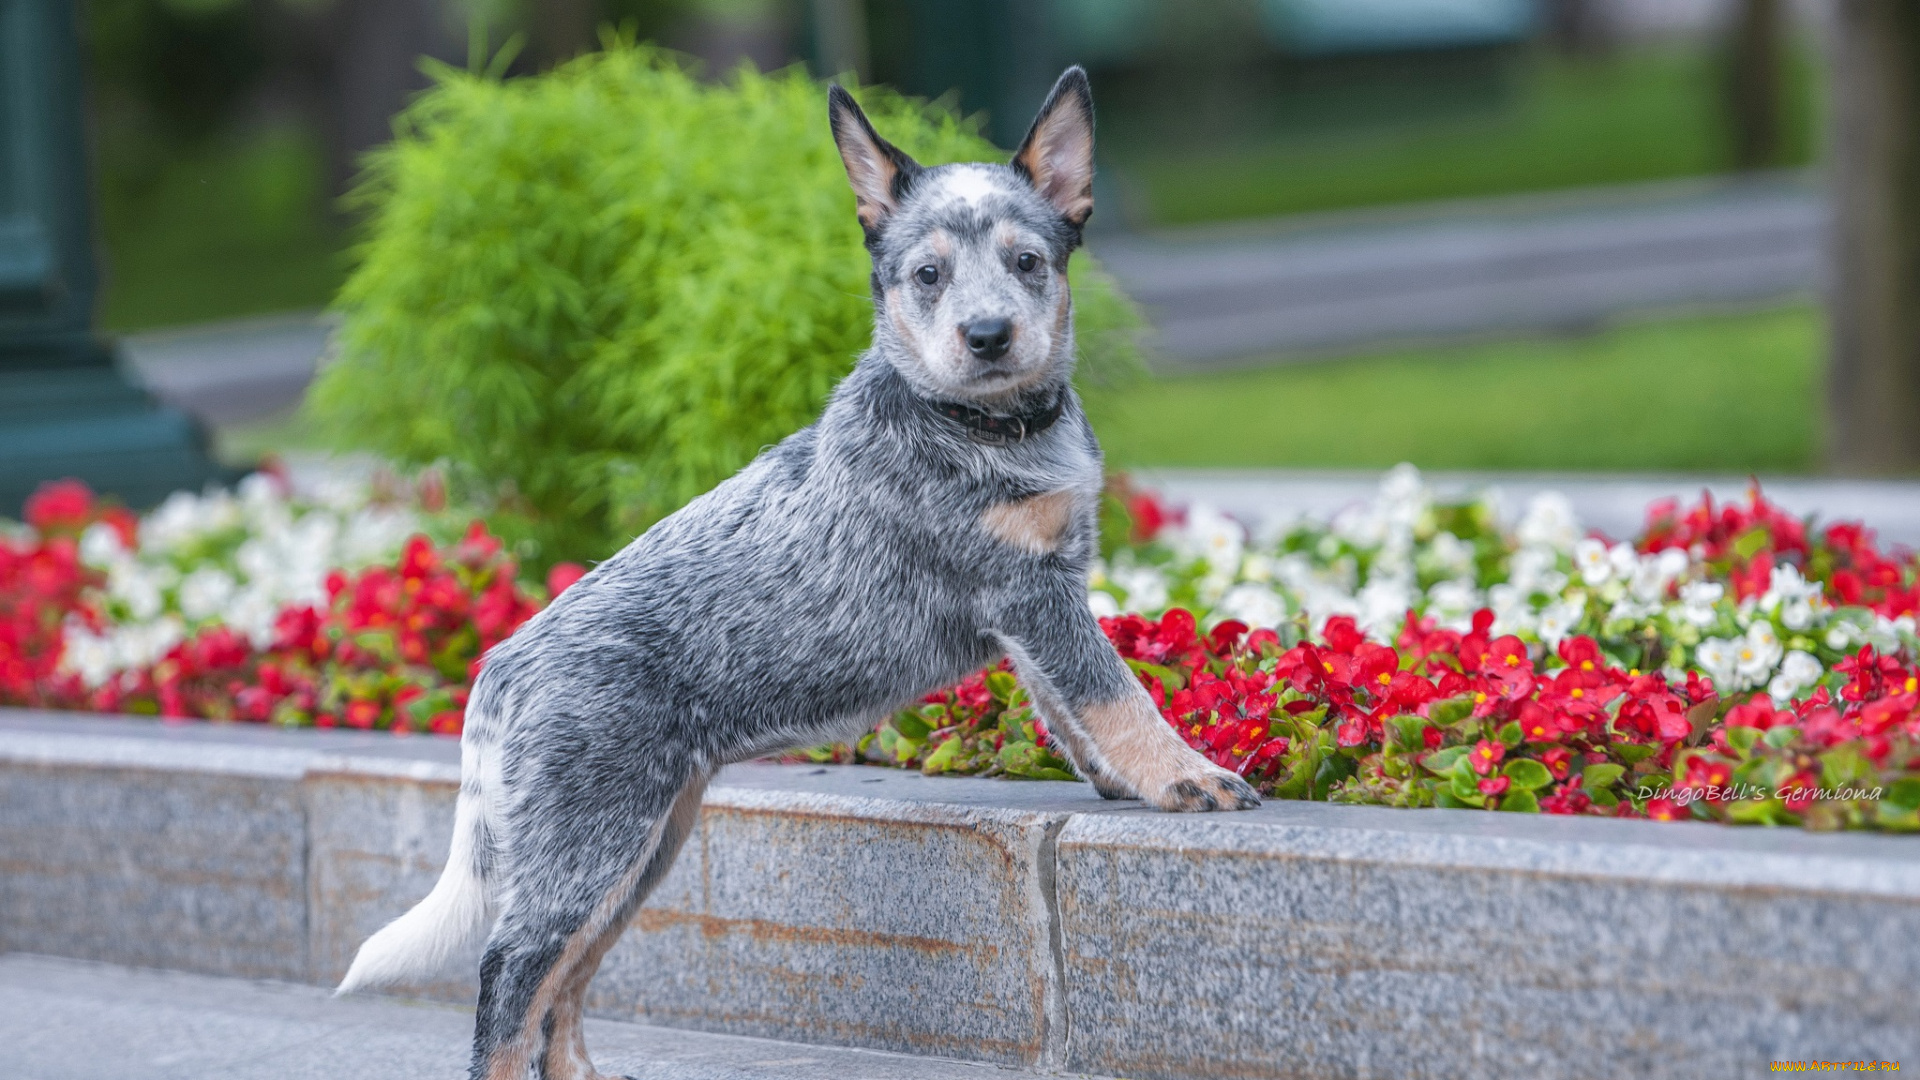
(1216, 789)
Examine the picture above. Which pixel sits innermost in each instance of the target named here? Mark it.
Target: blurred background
(1471, 234)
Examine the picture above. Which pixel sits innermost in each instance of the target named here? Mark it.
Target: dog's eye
(928, 275)
(1027, 261)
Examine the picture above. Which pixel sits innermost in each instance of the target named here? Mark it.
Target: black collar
(994, 430)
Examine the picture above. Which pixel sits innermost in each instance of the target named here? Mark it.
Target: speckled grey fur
(842, 575)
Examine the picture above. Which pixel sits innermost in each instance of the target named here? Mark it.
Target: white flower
(1782, 690)
(1720, 659)
(1451, 556)
(86, 654)
(1511, 612)
(1624, 559)
(1253, 604)
(1651, 574)
(1697, 599)
(1798, 671)
(1383, 606)
(1559, 620)
(1549, 522)
(1884, 634)
(1211, 535)
(1533, 570)
(253, 613)
(1402, 491)
(1102, 605)
(1802, 667)
(1145, 586)
(1453, 603)
(100, 545)
(138, 587)
(1629, 610)
(205, 592)
(1360, 525)
(1758, 652)
(1590, 559)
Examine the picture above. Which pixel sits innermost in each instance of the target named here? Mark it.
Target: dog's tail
(454, 918)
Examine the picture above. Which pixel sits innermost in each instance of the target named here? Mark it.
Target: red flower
(1495, 785)
(1566, 800)
(363, 714)
(60, 506)
(1581, 654)
(1485, 755)
(1665, 810)
(1343, 635)
(562, 577)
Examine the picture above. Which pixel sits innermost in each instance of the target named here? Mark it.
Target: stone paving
(75, 1020)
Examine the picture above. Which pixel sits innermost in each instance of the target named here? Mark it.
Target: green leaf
(1451, 711)
(1904, 793)
(1600, 777)
(1742, 739)
(1407, 731)
(1527, 774)
(1633, 753)
(1170, 679)
(1333, 769)
(1033, 762)
(1509, 734)
(1520, 801)
(1445, 800)
(1464, 786)
(1002, 684)
(911, 726)
(943, 756)
(1781, 737)
(1443, 761)
(1752, 542)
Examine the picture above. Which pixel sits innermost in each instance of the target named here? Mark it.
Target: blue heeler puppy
(939, 516)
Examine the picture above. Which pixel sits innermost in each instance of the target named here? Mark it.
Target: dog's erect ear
(881, 173)
(1057, 154)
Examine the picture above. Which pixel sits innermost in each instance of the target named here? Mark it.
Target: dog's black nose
(988, 338)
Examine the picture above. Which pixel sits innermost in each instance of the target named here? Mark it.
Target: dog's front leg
(1108, 725)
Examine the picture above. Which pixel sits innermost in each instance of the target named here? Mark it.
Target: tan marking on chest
(1035, 524)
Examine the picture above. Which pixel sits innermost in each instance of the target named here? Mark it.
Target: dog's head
(970, 261)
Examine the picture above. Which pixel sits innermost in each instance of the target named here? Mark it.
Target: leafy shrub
(603, 290)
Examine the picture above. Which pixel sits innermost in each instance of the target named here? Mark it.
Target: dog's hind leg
(582, 844)
(566, 1045)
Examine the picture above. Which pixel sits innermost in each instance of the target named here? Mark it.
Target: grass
(1648, 113)
(233, 228)
(1725, 393)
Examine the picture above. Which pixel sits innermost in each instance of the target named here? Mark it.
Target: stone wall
(1017, 922)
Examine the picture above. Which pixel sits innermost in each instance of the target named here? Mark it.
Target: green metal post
(65, 408)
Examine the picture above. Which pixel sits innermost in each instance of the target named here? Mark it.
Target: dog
(939, 516)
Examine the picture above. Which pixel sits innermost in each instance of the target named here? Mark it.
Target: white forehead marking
(968, 184)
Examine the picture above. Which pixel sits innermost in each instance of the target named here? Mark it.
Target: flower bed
(1733, 663)
(333, 609)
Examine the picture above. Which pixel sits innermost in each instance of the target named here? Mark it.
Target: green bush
(596, 293)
